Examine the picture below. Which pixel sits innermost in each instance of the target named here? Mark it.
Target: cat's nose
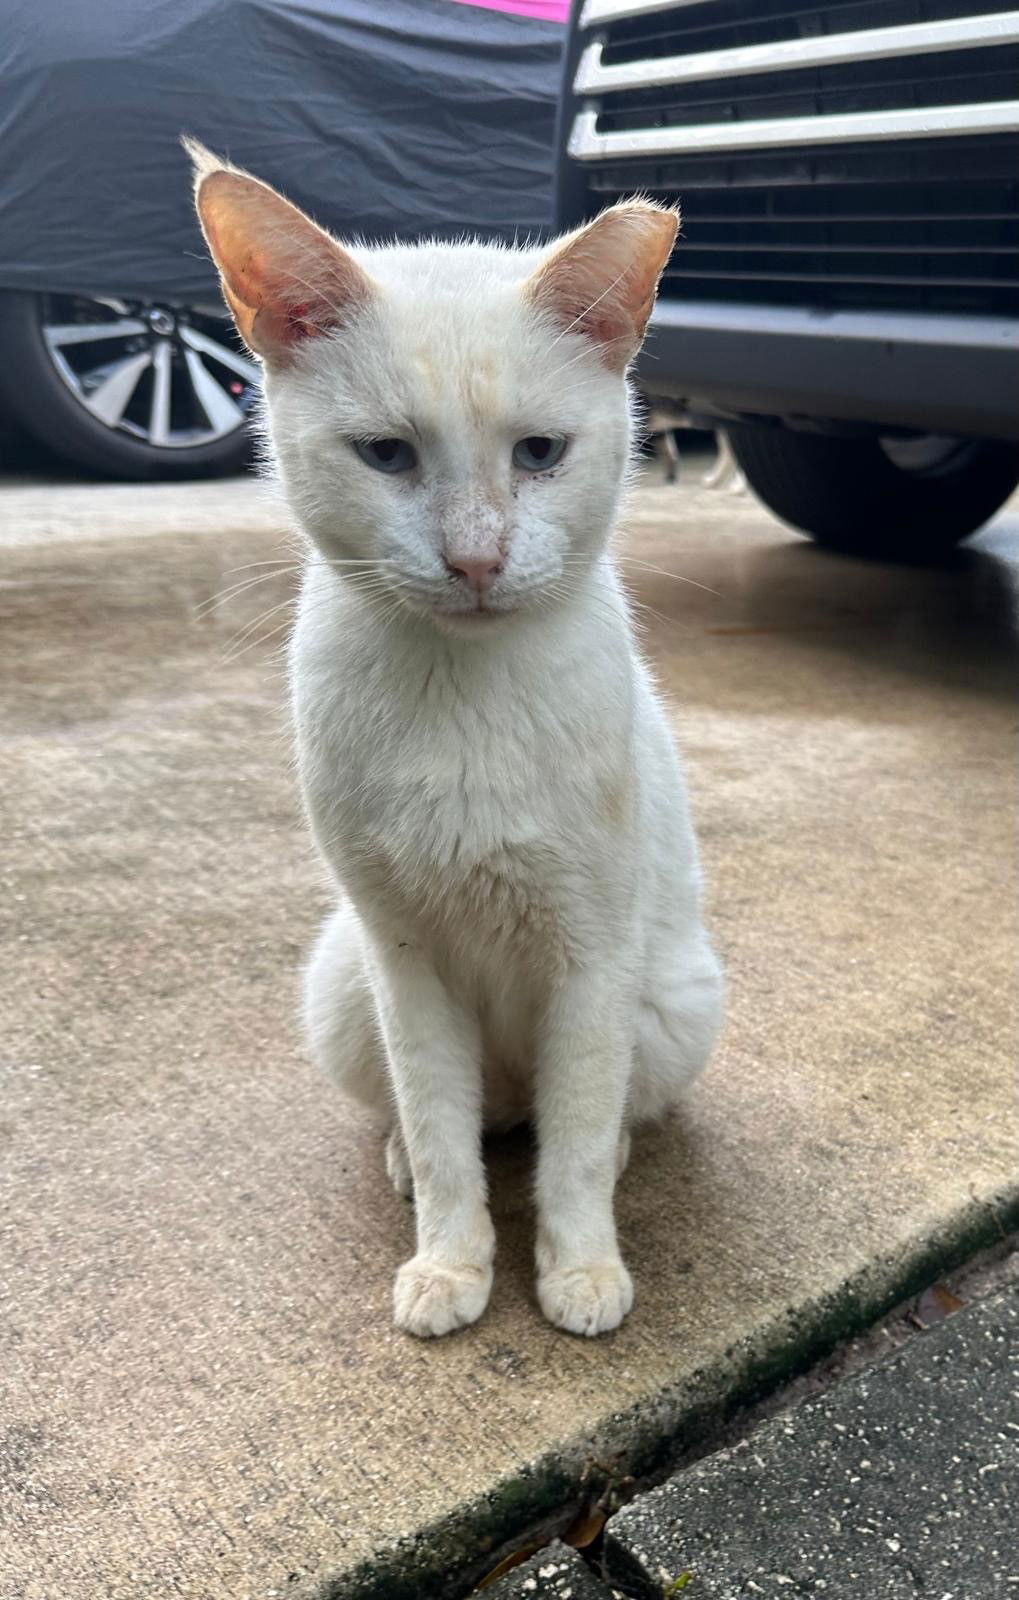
(479, 573)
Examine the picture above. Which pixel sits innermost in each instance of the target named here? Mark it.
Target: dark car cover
(381, 118)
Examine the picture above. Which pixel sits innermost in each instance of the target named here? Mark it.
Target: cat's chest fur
(476, 783)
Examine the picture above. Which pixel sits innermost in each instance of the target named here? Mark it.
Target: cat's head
(451, 421)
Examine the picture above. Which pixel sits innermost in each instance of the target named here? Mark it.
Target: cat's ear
(602, 280)
(284, 279)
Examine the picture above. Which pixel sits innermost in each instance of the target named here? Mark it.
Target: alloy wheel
(172, 377)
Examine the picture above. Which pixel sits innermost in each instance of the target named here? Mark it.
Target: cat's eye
(387, 455)
(538, 452)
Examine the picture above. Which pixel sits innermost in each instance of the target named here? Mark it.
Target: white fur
(498, 796)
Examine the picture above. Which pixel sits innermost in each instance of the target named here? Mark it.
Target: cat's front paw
(430, 1298)
(586, 1300)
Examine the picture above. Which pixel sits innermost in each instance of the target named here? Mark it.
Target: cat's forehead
(438, 270)
(458, 335)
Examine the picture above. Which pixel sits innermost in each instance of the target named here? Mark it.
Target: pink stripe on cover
(543, 10)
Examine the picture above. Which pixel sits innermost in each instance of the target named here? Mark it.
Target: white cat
(486, 766)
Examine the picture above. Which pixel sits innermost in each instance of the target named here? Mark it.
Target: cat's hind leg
(340, 1019)
(678, 1020)
(398, 1164)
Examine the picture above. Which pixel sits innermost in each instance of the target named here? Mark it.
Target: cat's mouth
(473, 618)
(477, 615)
(463, 612)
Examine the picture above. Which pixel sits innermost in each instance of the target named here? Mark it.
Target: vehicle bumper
(937, 374)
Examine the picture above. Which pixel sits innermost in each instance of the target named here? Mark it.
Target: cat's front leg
(434, 1055)
(583, 1066)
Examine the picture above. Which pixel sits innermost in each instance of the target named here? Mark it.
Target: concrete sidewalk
(203, 1395)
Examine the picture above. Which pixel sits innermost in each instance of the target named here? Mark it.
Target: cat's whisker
(355, 561)
(366, 585)
(283, 561)
(659, 616)
(634, 606)
(243, 645)
(383, 588)
(377, 587)
(249, 634)
(249, 582)
(236, 590)
(369, 585)
(261, 640)
(649, 566)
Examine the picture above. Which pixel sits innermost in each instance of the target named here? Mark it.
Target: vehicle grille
(845, 155)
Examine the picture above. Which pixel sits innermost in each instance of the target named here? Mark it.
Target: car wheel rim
(171, 377)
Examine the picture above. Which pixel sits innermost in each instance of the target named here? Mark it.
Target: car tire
(47, 407)
(879, 497)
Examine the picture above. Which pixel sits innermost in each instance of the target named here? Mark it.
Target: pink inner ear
(602, 280)
(583, 302)
(284, 279)
(279, 325)
(297, 321)
(308, 291)
(605, 327)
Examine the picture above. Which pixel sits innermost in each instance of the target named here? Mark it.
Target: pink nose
(478, 574)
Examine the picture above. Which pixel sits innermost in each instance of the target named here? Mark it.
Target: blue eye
(386, 455)
(538, 452)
